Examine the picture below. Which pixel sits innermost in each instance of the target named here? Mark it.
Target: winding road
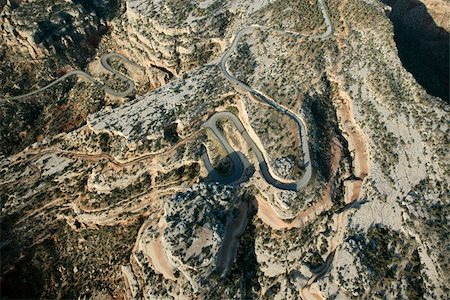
(105, 64)
(238, 163)
(211, 123)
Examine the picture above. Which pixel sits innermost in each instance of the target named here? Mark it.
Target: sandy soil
(160, 261)
(354, 135)
(356, 138)
(158, 255)
(311, 293)
(352, 190)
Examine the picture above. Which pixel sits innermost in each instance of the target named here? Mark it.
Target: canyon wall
(422, 36)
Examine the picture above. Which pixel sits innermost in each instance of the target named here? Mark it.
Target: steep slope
(422, 36)
(124, 206)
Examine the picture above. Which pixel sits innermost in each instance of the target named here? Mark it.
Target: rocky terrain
(331, 184)
(59, 37)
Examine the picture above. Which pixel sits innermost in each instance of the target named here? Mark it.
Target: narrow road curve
(105, 64)
(265, 170)
(237, 163)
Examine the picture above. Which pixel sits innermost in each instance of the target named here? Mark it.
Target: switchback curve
(304, 180)
(105, 64)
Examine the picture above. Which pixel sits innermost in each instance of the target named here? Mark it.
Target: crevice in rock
(246, 261)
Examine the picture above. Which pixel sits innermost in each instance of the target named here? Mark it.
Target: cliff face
(125, 207)
(422, 36)
(35, 48)
(68, 30)
(60, 36)
(175, 36)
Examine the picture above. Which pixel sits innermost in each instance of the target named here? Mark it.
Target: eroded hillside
(265, 151)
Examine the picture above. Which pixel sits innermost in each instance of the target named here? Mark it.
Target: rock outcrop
(123, 207)
(186, 245)
(41, 41)
(65, 29)
(174, 36)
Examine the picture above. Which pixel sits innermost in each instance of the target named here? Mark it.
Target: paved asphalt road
(105, 63)
(294, 186)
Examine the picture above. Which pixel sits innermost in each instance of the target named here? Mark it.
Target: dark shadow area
(230, 168)
(242, 280)
(280, 185)
(225, 167)
(323, 132)
(34, 268)
(356, 205)
(171, 133)
(23, 281)
(9, 247)
(60, 27)
(325, 267)
(423, 46)
(246, 262)
(22, 272)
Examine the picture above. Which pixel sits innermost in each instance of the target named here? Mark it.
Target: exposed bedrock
(169, 36)
(41, 41)
(422, 36)
(69, 30)
(195, 241)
